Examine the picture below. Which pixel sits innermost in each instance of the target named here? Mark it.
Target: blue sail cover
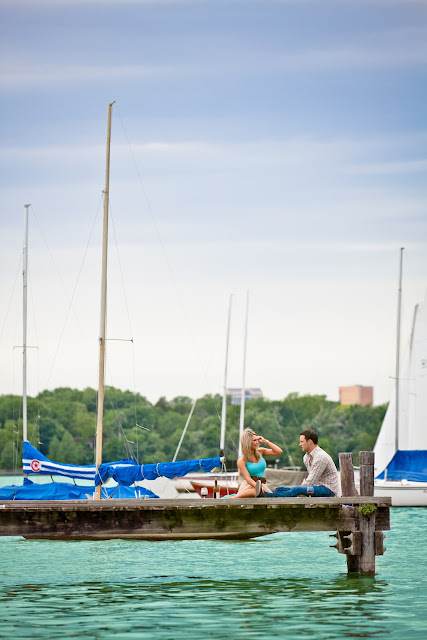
(65, 491)
(127, 474)
(409, 465)
(34, 462)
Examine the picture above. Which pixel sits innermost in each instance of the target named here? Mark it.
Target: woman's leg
(246, 493)
(246, 490)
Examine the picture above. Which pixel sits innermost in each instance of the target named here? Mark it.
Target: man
(322, 479)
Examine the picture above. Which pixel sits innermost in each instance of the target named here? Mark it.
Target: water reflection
(191, 607)
(285, 586)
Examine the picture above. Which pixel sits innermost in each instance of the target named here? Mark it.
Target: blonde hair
(246, 444)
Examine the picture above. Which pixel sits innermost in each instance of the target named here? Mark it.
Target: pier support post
(367, 515)
(362, 545)
(348, 490)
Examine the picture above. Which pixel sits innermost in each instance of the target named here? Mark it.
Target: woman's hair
(246, 443)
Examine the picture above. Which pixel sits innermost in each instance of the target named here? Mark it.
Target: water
(289, 585)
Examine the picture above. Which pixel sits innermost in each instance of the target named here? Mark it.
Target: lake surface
(289, 585)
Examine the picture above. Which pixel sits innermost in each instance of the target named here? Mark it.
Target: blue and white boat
(401, 447)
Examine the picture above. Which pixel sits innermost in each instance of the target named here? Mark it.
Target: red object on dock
(222, 489)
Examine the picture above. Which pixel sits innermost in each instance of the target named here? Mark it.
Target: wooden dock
(359, 521)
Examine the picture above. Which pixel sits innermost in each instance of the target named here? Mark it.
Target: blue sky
(271, 146)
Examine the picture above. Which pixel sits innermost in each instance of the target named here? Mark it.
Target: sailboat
(401, 447)
(124, 472)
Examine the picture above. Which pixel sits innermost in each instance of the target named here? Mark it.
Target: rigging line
(293, 412)
(120, 267)
(231, 440)
(74, 292)
(128, 317)
(128, 449)
(162, 245)
(150, 209)
(16, 411)
(63, 288)
(134, 402)
(30, 288)
(11, 297)
(288, 453)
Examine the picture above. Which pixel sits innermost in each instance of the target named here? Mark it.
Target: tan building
(357, 395)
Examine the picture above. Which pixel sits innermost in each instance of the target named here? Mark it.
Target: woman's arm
(244, 472)
(270, 448)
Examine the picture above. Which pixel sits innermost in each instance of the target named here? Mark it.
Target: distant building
(357, 395)
(250, 394)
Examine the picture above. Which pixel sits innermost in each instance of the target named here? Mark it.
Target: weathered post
(366, 462)
(363, 542)
(347, 540)
(367, 514)
(348, 488)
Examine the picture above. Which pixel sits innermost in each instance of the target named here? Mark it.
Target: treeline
(62, 425)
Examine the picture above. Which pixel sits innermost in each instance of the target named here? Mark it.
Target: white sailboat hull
(403, 494)
(401, 447)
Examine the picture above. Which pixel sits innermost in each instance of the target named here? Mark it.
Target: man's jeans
(292, 492)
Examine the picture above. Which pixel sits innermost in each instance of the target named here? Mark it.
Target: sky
(272, 151)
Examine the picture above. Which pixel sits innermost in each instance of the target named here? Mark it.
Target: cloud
(25, 76)
(79, 3)
(387, 168)
(388, 48)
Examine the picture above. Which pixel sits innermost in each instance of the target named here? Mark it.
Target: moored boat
(401, 447)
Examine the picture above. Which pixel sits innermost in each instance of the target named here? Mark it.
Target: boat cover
(34, 462)
(409, 465)
(66, 491)
(126, 474)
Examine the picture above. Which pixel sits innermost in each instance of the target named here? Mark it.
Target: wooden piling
(362, 544)
(367, 517)
(366, 463)
(348, 488)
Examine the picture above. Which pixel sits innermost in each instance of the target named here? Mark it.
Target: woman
(252, 464)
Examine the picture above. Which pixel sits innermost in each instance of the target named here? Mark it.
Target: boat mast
(242, 400)
(24, 340)
(224, 394)
(399, 309)
(98, 454)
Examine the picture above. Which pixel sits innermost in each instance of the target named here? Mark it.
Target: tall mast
(399, 309)
(24, 339)
(102, 331)
(224, 393)
(242, 401)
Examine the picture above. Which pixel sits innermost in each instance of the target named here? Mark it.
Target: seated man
(322, 479)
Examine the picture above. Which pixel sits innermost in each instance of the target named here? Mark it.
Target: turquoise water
(288, 585)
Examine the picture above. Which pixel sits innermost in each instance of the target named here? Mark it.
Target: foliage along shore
(62, 425)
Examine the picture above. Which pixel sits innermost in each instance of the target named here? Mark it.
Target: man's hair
(310, 434)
